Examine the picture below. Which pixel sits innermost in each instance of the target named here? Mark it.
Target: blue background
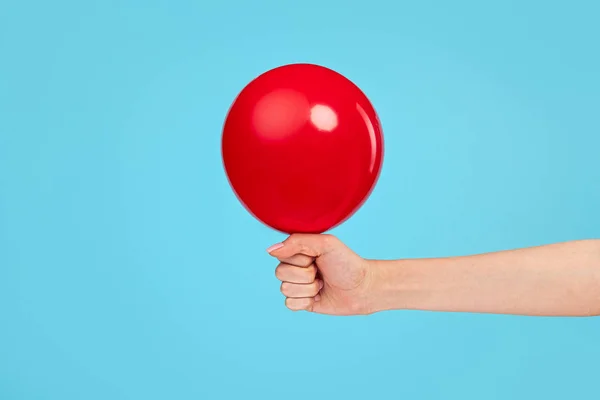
(128, 270)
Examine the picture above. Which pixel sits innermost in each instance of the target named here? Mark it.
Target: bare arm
(554, 280)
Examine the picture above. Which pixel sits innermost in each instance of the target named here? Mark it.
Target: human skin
(320, 274)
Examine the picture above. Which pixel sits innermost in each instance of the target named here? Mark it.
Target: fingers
(299, 285)
(293, 274)
(299, 260)
(297, 269)
(303, 244)
(301, 290)
(305, 304)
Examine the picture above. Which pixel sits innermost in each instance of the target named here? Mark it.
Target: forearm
(555, 280)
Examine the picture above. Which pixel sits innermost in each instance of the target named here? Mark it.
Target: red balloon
(302, 148)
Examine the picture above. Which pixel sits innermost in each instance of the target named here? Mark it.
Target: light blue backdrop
(129, 271)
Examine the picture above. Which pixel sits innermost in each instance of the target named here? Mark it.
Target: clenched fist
(321, 274)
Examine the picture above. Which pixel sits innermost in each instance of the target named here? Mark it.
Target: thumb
(300, 243)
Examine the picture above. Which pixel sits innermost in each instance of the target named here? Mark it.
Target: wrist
(395, 285)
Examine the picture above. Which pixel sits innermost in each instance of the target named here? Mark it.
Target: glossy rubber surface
(302, 148)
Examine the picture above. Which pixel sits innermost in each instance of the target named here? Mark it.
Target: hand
(322, 275)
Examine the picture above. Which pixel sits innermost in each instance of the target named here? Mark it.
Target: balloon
(302, 148)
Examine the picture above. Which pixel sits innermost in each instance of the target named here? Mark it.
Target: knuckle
(306, 304)
(304, 248)
(306, 261)
(314, 288)
(289, 289)
(311, 272)
(291, 304)
(293, 238)
(279, 271)
(329, 239)
(284, 288)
